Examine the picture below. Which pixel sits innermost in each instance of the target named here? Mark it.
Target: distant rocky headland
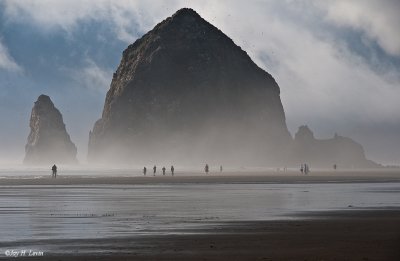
(48, 140)
(340, 151)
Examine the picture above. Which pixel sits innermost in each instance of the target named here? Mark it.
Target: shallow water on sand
(34, 213)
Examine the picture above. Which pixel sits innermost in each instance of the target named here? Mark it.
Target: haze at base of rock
(48, 141)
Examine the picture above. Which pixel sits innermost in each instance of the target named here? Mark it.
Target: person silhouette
(301, 169)
(144, 171)
(306, 169)
(206, 168)
(154, 170)
(163, 171)
(220, 168)
(172, 170)
(54, 169)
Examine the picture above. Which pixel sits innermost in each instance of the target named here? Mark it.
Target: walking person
(172, 170)
(144, 171)
(220, 168)
(154, 170)
(301, 169)
(54, 169)
(163, 171)
(206, 168)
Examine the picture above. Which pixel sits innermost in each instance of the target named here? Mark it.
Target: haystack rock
(48, 141)
(342, 151)
(186, 92)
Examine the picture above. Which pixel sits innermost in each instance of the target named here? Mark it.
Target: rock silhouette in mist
(185, 91)
(344, 152)
(48, 140)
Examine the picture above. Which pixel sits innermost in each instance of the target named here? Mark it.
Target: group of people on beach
(155, 170)
(172, 169)
(207, 168)
(304, 168)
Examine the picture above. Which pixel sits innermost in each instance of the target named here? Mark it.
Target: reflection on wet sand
(34, 214)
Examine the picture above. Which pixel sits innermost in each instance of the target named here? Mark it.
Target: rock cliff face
(48, 141)
(344, 152)
(187, 92)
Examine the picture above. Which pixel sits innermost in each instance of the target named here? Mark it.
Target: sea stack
(186, 92)
(340, 151)
(48, 141)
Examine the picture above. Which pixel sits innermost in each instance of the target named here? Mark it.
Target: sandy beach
(123, 177)
(326, 215)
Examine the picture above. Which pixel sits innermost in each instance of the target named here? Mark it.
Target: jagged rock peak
(186, 16)
(304, 133)
(186, 12)
(48, 140)
(44, 99)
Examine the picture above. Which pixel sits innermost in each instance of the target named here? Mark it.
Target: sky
(337, 62)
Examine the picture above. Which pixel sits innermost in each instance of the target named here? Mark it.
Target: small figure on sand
(54, 169)
(206, 169)
(301, 169)
(144, 171)
(172, 170)
(163, 171)
(154, 170)
(220, 168)
(334, 166)
(306, 169)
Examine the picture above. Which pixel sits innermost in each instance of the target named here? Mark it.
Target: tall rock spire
(48, 141)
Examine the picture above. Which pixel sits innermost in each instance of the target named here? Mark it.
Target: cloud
(6, 61)
(125, 16)
(53, 14)
(379, 20)
(92, 76)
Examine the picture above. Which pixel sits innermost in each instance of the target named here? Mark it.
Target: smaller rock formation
(344, 152)
(48, 141)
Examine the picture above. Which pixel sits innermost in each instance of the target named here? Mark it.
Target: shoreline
(198, 178)
(335, 235)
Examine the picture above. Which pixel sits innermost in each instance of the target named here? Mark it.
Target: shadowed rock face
(344, 152)
(48, 141)
(185, 91)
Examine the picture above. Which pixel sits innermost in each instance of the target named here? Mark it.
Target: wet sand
(290, 177)
(372, 233)
(345, 235)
